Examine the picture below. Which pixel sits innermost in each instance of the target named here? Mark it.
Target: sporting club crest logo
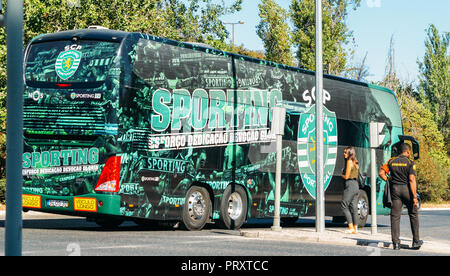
(67, 63)
(306, 148)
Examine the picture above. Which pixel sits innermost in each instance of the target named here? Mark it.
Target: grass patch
(443, 204)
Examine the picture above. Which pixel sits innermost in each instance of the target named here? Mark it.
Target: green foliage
(435, 79)
(196, 20)
(419, 121)
(240, 50)
(335, 33)
(2, 109)
(433, 167)
(2, 190)
(274, 31)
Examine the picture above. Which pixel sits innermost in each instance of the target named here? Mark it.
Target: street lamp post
(14, 125)
(320, 197)
(232, 24)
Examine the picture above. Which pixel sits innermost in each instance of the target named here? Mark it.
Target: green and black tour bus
(128, 126)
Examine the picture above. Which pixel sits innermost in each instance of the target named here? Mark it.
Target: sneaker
(417, 245)
(396, 246)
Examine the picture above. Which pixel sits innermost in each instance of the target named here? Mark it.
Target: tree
(240, 50)
(274, 31)
(335, 33)
(200, 20)
(433, 167)
(195, 20)
(2, 108)
(391, 79)
(435, 79)
(358, 71)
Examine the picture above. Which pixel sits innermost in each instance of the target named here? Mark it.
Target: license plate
(85, 204)
(31, 201)
(57, 203)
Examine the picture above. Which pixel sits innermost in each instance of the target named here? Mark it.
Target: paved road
(46, 234)
(434, 224)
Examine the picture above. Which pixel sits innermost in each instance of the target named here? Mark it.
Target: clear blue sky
(373, 24)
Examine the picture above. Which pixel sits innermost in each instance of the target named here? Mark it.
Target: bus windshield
(84, 61)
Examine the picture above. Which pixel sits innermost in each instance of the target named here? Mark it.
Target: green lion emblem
(306, 148)
(67, 63)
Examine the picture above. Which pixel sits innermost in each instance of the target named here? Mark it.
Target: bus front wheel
(197, 208)
(233, 207)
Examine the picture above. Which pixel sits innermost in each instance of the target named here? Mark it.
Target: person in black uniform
(402, 172)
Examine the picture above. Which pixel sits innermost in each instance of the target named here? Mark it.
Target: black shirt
(400, 168)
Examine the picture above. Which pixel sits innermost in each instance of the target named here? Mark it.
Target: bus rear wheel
(363, 208)
(197, 208)
(233, 207)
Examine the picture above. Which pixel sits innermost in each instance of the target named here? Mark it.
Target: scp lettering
(310, 97)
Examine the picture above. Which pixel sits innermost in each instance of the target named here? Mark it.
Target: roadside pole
(373, 191)
(14, 127)
(376, 139)
(278, 120)
(320, 196)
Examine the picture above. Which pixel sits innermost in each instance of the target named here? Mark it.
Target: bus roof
(118, 36)
(85, 34)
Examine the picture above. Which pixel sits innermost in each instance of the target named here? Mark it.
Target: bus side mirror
(416, 150)
(414, 143)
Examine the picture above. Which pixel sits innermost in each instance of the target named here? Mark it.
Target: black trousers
(401, 194)
(349, 203)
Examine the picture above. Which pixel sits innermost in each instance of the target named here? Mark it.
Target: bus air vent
(63, 120)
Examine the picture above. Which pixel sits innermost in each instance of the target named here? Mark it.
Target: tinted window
(66, 62)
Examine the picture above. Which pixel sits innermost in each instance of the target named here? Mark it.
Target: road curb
(338, 237)
(28, 213)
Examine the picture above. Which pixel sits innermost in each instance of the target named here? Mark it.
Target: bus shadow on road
(81, 224)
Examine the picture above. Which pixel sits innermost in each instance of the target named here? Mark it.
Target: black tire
(233, 207)
(363, 208)
(197, 208)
